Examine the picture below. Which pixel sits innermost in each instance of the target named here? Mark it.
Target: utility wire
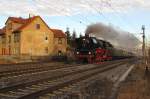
(99, 12)
(81, 22)
(121, 18)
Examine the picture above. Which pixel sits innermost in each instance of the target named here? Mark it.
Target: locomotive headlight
(90, 53)
(77, 52)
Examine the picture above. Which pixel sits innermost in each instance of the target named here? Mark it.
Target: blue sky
(128, 15)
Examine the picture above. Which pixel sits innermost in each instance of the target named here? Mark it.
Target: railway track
(23, 75)
(31, 68)
(32, 90)
(34, 69)
(23, 66)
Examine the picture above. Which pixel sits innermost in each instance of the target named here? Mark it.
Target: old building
(2, 41)
(60, 42)
(30, 37)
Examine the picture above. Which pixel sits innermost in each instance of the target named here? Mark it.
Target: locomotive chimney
(87, 35)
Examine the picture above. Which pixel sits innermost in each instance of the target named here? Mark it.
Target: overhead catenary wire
(99, 12)
(82, 19)
(107, 19)
(126, 22)
(58, 10)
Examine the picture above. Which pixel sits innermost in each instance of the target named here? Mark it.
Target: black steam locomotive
(91, 49)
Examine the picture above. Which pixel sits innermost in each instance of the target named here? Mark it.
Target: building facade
(60, 42)
(29, 37)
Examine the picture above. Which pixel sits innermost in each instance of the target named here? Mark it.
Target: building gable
(32, 23)
(36, 37)
(24, 23)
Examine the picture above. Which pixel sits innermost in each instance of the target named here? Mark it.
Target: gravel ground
(99, 89)
(137, 84)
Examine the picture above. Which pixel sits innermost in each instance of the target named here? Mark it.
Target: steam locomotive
(90, 49)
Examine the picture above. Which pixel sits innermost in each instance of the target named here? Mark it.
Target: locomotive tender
(90, 49)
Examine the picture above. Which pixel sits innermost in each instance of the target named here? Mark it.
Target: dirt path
(137, 85)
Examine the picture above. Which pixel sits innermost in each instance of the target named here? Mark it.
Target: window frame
(38, 26)
(60, 40)
(9, 39)
(46, 50)
(3, 39)
(46, 38)
(16, 37)
(9, 26)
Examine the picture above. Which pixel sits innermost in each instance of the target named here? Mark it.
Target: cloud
(68, 7)
(16, 7)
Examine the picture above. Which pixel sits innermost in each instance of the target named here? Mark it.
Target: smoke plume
(117, 37)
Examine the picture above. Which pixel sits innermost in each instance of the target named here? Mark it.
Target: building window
(16, 50)
(46, 50)
(9, 26)
(59, 40)
(16, 37)
(59, 53)
(3, 39)
(3, 51)
(46, 38)
(37, 26)
(9, 50)
(9, 39)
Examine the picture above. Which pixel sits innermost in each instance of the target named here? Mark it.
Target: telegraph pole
(143, 46)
